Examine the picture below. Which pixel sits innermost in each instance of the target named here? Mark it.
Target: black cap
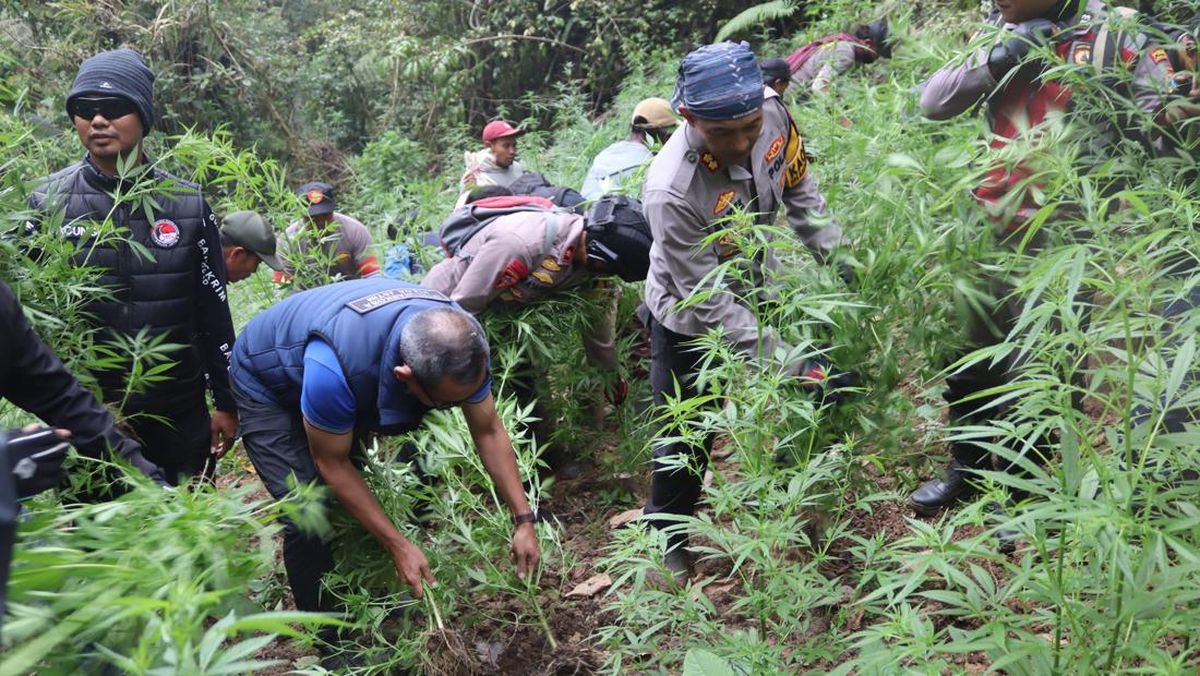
(319, 197)
(618, 238)
(879, 35)
(775, 69)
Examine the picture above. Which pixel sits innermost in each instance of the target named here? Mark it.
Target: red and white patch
(1158, 55)
(776, 146)
(165, 233)
(512, 274)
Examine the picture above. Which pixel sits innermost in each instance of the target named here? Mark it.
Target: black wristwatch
(527, 517)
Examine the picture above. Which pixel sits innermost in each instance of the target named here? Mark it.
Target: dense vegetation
(810, 559)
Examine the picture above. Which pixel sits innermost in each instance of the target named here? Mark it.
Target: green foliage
(155, 582)
(809, 561)
(751, 17)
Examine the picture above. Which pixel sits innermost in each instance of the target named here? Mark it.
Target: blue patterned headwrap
(719, 82)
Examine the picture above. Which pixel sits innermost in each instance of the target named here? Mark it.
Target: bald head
(442, 343)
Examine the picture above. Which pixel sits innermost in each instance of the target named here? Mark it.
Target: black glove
(1026, 36)
(35, 460)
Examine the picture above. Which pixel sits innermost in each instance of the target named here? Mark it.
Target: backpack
(535, 184)
(466, 222)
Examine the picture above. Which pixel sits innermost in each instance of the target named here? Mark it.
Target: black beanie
(120, 72)
(619, 237)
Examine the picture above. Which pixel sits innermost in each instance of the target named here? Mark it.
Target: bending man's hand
(224, 428)
(525, 552)
(412, 567)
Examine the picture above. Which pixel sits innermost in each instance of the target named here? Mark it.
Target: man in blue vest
(327, 366)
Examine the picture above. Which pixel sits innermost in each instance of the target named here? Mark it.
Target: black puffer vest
(159, 294)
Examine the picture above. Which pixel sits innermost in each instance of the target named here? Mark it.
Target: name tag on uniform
(377, 300)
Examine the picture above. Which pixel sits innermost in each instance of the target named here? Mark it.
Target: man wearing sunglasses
(176, 293)
(318, 373)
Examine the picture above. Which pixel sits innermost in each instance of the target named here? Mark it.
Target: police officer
(740, 150)
(325, 368)
(328, 244)
(815, 65)
(32, 378)
(520, 258)
(247, 239)
(177, 294)
(1006, 75)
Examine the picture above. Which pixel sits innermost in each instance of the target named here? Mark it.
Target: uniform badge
(512, 274)
(315, 196)
(797, 161)
(551, 264)
(1082, 55)
(543, 277)
(165, 233)
(568, 254)
(726, 247)
(723, 202)
(774, 150)
(709, 162)
(1158, 55)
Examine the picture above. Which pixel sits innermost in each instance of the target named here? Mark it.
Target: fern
(756, 16)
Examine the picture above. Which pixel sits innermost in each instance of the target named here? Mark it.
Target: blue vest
(362, 320)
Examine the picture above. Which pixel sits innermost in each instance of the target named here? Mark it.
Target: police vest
(158, 294)
(362, 321)
(1024, 103)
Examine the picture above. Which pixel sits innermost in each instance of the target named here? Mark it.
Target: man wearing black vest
(177, 293)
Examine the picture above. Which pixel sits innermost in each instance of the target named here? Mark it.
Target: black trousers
(1178, 314)
(673, 368)
(177, 437)
(986, 327)
(277, 446)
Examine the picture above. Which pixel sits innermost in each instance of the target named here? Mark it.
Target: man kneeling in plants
(323, 369)
(514, 251)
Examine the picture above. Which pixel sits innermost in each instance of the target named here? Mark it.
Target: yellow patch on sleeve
(723, 202)
(797, 160)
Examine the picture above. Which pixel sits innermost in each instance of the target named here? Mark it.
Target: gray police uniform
(686, 195)
(831, 60)
(519, 259)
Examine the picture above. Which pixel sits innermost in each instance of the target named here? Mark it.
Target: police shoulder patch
(379, 299)
(1082, 54)
(1158, 55)
(512, 274)
(774, 150)
(723, 202)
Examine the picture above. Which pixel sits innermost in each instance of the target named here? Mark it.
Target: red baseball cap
(499, 129)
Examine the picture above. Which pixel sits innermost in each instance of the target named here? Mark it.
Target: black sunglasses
(110, 108)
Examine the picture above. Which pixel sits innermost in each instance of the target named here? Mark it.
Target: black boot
(936, 494)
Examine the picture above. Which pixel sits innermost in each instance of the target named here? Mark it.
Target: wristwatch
(527, 517)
